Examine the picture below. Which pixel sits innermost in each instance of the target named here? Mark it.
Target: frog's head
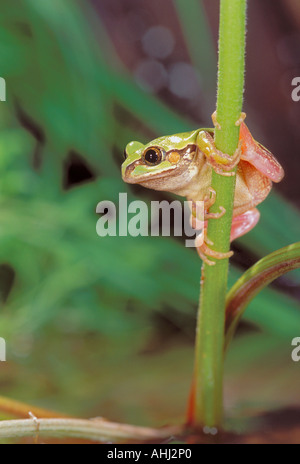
(163, 164)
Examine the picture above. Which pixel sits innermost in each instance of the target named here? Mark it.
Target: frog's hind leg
(203, 245)
(202, 242)
(243, 223)
(259, 156)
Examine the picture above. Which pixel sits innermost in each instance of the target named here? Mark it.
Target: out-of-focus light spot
(158, 42)
(288, 49)
(151, 75)
(210, 430)
(184, 82)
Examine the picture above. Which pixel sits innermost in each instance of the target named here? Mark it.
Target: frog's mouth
(145, 177)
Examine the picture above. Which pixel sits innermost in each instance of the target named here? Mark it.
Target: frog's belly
(242, 193)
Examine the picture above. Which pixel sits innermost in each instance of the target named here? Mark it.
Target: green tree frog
(183, 164)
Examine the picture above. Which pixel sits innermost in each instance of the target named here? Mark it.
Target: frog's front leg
(222, 163)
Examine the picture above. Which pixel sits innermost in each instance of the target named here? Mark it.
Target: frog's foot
(216, 215)
(202, 242)
(210, 198)
(237, 123)
(209, 201)
(241, 119)
(197, 221)
(205, 252)
(214, 120)
(221, 162)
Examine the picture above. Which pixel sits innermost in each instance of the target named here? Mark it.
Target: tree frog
(183, 164)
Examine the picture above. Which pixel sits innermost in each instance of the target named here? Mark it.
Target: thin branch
(98, 430)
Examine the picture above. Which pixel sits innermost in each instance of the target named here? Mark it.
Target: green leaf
(254, 280)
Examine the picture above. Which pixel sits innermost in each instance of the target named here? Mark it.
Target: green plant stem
(98, 430)
(254, 280)
(208, 382)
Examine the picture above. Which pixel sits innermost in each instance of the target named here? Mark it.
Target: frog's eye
(153, 156)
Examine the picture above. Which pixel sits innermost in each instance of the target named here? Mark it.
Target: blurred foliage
(68, 96)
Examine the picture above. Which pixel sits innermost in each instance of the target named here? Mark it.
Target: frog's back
(176, 141)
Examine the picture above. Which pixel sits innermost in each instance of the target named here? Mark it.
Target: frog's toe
(205, 252)
(241, 119)
(215, 122)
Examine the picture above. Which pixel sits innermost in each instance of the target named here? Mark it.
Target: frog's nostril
(128, 175)
(125, 154)
(129, 169)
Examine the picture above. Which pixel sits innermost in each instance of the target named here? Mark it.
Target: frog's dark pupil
(151, 156)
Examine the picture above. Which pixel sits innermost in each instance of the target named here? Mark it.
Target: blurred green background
(105, 326)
